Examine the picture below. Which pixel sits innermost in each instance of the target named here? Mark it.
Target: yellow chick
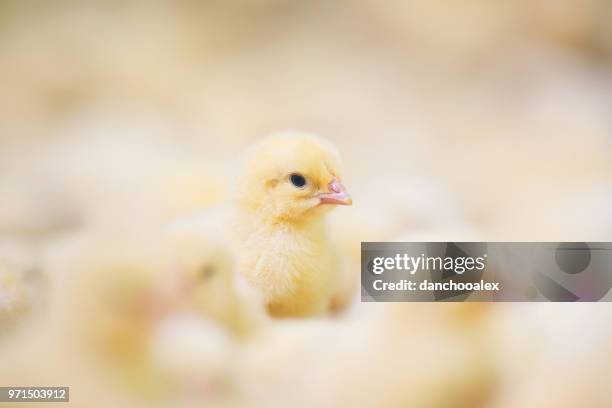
(208, 284)
(124, 289)
(133, 289)
(288, 183)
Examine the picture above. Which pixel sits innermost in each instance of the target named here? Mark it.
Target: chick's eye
(297, 180)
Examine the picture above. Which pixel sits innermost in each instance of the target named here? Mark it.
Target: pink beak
(337, 194)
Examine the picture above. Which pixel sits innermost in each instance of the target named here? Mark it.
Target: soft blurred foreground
(474, 121)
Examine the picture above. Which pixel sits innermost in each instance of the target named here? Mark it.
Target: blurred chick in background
(96, 178)
(556, 339)
(209, 284)
(13, 293)
(129, 310)
(506, 103)
(288, 183)
(389, 355)
(21, 281)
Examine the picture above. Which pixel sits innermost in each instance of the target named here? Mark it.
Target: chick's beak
(337, 194)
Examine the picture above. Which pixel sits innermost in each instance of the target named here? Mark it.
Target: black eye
(207, 272)
(297, 180)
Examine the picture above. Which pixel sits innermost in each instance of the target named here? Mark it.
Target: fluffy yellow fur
(283, 246)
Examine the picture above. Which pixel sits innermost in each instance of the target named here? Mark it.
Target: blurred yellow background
(456, 120)
(506, 106)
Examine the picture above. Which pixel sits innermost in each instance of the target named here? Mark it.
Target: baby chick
(135, 289)
(207, 283)
(288, 183)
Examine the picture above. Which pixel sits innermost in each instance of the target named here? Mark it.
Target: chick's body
(292, 267)
(128, 309)
(287, 187)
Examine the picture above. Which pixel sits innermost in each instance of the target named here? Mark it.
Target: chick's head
(291, 177)
(204, 280)
(205, 272)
